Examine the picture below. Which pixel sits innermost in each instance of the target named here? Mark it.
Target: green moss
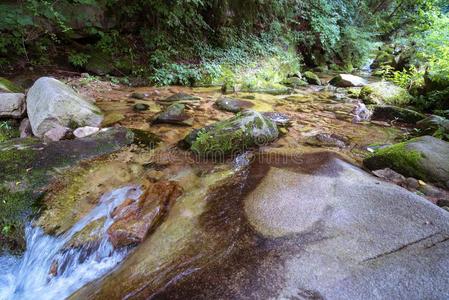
(400, 159)
(366, 91)
(354, 92)
(385, 93)
(312, 78)
(233, 135)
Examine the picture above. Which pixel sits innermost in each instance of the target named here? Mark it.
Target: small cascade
(29, 277)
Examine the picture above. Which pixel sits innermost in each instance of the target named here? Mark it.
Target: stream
(50, 269)
(42, 250)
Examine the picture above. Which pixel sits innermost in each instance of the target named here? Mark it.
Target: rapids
(28, 277)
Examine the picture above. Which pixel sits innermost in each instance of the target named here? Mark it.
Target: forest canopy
(210, 41)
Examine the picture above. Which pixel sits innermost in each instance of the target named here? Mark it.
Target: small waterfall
(28, 277)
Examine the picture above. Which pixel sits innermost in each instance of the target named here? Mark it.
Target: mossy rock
(390, 113)
(425, 158)
(384, 58)
(294, 82)
(99, 63)
(385, 93)
(28, 165)
(232, 136)
(174, 114)
(181, 97)
(436, 126)
(354, 92)
(7, 86)
(233, 105)
(112, 118)
(312, 78)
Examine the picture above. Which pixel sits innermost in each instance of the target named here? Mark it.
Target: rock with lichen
(384, 93)
(237, 134)
(425, 158)
(312, 78)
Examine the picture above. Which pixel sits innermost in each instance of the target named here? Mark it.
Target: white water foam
(28, 277)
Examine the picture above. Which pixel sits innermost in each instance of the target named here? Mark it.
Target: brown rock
(133, 220)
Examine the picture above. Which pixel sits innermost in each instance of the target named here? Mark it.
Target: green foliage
(8, 131)
(434, 45)
(78, 59)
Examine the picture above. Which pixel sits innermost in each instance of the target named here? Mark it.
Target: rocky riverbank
(303, 192)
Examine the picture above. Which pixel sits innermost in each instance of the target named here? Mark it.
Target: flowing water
(28, 277)
(313, 110)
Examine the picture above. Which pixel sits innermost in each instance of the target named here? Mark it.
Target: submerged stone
(140, 107)
(327, 140)
(133, 220)
(112, 118)
(233, 135)
(137, 95)
(278, 118)
(181, 97)
(174, 114)
(233, 105)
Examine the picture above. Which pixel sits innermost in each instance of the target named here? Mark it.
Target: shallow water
(28, 277)
(312, 111)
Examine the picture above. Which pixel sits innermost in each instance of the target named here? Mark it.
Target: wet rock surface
(133, 220)
(28, 165)
(174, 114)
(233, 105)
(276, 233)
(394, 113)
(328, 140)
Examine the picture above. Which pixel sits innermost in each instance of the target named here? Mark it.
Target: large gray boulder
(51, 103)
(426, 158)
(12, 105)
(307, 226)
(348, 80)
